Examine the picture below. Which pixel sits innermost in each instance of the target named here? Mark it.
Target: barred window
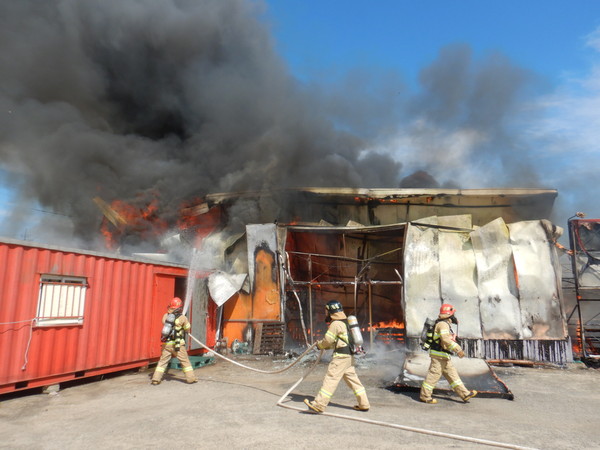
(61, 301)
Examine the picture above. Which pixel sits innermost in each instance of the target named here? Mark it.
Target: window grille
(61, 301)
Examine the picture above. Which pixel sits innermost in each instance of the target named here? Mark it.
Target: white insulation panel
(421, 276)
(541, 311)
(498, 302)
(503, 280)
(458, 275)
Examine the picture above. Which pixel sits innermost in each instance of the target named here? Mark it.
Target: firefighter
(174, 338)
(443, 346)
(342, 362)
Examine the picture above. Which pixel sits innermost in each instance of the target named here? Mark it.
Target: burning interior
(359, 266)
(387, 261)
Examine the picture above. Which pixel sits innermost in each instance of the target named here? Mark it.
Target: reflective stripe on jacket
(182, 325)
(442, 333)
(336, 335)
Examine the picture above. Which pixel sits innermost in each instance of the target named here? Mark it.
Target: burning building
(504, 280)
(265, 284)
(183, 104)
(392, 266)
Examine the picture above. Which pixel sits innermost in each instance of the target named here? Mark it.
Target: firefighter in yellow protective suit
(174, 343)
(341, 365)
(443, 346)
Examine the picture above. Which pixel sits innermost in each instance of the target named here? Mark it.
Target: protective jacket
(336, 336)
(181, 327)
(444, 343)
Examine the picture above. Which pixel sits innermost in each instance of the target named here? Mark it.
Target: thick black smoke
(172, 99)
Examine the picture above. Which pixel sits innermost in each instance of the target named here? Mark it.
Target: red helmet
(447, 309)
(176, 303)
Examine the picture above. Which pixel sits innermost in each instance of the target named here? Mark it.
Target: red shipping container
(67, 314)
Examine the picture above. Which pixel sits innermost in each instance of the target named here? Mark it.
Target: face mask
(454, 320)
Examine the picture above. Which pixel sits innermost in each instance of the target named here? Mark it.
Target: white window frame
(61, 300)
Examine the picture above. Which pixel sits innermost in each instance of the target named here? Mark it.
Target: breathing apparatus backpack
(426, 339)
(355, 339)
(168, 331)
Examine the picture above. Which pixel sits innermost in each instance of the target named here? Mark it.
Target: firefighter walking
(341, 365)
(442, 347)
(175, 328)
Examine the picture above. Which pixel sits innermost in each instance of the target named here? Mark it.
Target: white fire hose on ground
(252, 368)
(356, 419)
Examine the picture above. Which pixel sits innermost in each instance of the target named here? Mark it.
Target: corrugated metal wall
(503, 280)
(124, 304)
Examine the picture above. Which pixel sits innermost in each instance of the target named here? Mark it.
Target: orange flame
(389, 324)
(144, 222)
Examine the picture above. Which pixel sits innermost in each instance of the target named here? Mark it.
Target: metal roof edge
(364, 229)
(384, 192)
(155, 262)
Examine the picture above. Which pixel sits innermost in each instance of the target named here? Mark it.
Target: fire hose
(252, 368)
(356, 419)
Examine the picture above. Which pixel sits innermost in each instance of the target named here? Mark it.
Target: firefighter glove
(461, 354)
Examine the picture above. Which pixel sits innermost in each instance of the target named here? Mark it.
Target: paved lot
(234, 408)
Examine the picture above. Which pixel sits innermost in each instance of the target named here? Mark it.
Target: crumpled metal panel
(216, 248)
(539, 298)
(222, 286)
(440, 267)
(421, 276)
(458, 274)
(503, 280)
(474, 373)
(498, 302)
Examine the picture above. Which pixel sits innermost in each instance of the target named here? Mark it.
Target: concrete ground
(236, 409)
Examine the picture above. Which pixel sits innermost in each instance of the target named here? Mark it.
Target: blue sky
(548, 37)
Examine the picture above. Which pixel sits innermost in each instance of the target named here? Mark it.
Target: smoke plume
(169, 100)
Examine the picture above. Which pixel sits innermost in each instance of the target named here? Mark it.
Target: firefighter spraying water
(173, 335)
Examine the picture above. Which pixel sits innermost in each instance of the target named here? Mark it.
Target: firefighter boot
(312, 406)
(431, 401)
(468, 397)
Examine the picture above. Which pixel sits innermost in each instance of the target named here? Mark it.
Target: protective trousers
(169, 352)
(442, 366)
(341, 366)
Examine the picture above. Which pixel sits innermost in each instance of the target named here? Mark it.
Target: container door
(164, 289)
